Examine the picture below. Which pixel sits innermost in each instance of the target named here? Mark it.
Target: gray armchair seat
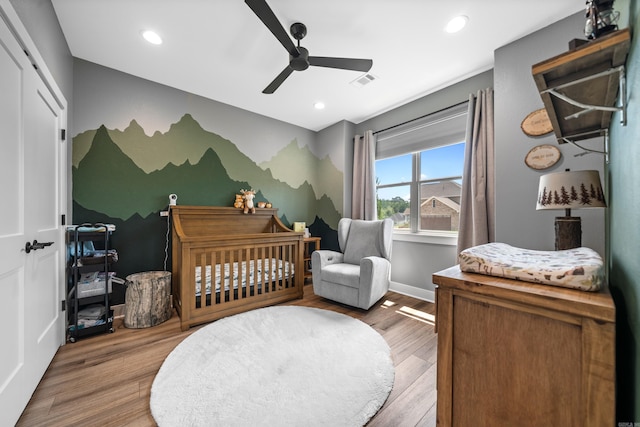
(358, 275)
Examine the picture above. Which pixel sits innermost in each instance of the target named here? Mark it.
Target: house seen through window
(419, 172)
(438, 185)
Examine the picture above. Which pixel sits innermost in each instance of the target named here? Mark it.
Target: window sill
(446, 238)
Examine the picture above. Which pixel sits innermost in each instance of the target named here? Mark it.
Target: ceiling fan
(299, 58)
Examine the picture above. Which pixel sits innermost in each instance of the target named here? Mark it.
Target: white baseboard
(412, 291)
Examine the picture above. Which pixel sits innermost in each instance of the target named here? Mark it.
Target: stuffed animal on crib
(248, 196)
(238, 202)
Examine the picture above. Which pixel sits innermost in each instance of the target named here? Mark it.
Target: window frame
(450, 136)
(415, 186)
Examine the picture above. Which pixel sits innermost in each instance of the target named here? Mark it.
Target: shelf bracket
(604, 133)
(587, 108)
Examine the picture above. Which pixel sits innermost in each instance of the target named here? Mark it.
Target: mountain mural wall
(113, 162)
(327, 179)
(125, 177)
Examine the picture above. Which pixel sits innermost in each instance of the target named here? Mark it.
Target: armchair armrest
(324, 257)
(320, 259)
(375, 271)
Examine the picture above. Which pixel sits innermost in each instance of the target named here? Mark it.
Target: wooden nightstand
(308, 250)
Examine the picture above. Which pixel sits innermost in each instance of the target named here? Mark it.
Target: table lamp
(570, 190)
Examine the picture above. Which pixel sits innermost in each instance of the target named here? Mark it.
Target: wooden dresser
(517, 353)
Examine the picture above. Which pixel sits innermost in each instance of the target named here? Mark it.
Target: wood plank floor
(106, 380)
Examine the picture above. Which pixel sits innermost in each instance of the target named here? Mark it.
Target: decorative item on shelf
(269, 205)
(262, 205)
(542, 157)
(537, 123)
(248, 196)
(570, 190)
(238, 202)
(601, 18)
(299, 226)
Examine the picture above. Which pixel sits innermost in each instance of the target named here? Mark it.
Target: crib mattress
(261, 270)
(580, 268)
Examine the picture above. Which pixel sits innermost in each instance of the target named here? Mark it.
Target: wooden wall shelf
(579, 88)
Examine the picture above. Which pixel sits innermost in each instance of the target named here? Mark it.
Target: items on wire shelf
(90, 316)
(90, 279)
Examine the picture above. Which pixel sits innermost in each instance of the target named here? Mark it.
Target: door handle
(28, 247)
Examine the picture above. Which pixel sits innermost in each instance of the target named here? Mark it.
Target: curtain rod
(421, 117)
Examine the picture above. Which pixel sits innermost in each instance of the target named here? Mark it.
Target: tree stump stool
(147, 299)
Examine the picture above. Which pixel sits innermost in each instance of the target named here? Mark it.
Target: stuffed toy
(238, 202)
(248, 196)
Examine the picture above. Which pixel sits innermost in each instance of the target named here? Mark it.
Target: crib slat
(278, 279)
(241, 274)
(289, 265)
(247, 267)
(259, 271)
(232, 275)
(223, 277)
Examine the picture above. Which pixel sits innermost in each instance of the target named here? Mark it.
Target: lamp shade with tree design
(570, 190)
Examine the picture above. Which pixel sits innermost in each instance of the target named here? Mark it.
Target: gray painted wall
(428, 104)
(331, 140)
(516, 95)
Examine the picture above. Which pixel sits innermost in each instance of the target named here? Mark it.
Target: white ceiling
(220, 50)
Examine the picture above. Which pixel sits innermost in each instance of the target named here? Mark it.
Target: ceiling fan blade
(266, 15)
(275, 84)
(342, 63)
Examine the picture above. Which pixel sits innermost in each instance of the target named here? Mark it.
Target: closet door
(31, 320)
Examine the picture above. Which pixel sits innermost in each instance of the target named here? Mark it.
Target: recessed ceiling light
(456, 24)
(151, 36)
(319, 105)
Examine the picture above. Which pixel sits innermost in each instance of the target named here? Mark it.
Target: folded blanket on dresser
(580, 268)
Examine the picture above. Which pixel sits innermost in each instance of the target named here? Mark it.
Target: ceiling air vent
(364, 80)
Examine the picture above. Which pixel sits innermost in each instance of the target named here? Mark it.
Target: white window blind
(435, 130)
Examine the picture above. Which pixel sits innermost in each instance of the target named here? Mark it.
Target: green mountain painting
(186, 143)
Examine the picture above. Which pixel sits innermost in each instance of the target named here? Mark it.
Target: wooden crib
(226, 262)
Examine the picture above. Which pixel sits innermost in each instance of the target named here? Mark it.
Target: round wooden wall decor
(542, 157)
(537, 123)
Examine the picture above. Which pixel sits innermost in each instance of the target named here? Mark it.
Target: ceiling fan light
(152, 37)
(456, 24)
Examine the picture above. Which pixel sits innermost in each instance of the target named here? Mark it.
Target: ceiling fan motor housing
(300, 62)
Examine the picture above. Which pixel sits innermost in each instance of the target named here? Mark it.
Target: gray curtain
(477, 205)
(363, 203)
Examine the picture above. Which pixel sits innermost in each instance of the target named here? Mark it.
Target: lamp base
(568, 232)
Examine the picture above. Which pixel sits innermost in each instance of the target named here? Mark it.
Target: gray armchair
(358, 275)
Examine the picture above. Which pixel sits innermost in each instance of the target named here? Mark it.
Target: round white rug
(276, 366)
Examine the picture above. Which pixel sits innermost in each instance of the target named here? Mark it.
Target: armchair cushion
(345, 274)
(359, 239)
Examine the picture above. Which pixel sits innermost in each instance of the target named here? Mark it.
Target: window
(419, 172)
